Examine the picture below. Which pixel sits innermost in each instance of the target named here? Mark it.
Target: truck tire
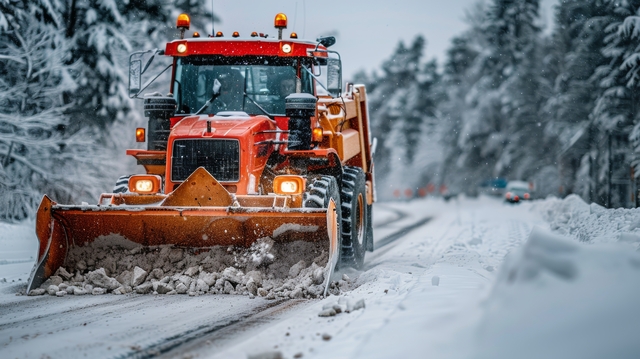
(320, 190)
(122, 185)
(354, 217)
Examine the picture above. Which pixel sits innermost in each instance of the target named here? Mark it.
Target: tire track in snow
(397, 213)
(400, 215)
(222, 334)
(140, 326)
(30, 308)
(209, 334)
(400, 233)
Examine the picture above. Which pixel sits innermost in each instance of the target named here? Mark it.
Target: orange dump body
(199, 214)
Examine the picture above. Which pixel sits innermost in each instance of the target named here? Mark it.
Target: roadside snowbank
(590, 223)
(557, 298)
(569, 294)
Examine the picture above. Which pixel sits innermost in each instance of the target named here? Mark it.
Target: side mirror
(326, 41)
(135, 76)
(136, 69)
(334, 76)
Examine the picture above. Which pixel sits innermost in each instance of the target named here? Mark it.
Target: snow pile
(590, 223)
(266, 269)
(343, 305)
(556, 297)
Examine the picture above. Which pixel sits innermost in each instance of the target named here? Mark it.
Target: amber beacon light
(280, 23)
(183, 22)
(140, 135)
(316, 134)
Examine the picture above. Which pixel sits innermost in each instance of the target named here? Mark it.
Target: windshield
(266, 81)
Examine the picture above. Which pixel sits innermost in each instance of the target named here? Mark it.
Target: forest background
(558, 109)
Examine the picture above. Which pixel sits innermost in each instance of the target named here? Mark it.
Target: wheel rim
(360, 220)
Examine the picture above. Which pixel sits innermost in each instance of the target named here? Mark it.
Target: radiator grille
(220, 157)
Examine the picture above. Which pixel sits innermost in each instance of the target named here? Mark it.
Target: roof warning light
(280, 23)
(183, 21)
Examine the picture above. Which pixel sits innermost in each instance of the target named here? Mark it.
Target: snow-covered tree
(456, 83)
(573, 56)
(65, 115)
(98, 32)
(36, 155)
(403, 101)
(495, 108)
(616, 109)
(200, 14)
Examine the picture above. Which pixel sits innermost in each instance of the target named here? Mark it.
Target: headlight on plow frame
(145, 184)
(288, 185)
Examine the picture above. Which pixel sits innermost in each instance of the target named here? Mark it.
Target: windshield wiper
(216, 92)
(260, 107)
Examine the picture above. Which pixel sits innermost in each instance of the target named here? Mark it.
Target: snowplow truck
(256, 138)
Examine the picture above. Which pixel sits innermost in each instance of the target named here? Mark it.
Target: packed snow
(273, 270)
(479, 279)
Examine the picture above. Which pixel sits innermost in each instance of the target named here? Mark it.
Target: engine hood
(226, 124)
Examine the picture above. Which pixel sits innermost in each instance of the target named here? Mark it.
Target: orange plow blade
(61, 227)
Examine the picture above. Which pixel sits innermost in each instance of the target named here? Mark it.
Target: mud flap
(332, 231)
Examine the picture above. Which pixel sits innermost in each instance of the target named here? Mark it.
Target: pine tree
(616, 112)
(456, 83)
(403, 102)
(388, 99)
(36, 156)
(63, 98)
(199, 12)
(573, 57)
(97, 31)
(499, 130)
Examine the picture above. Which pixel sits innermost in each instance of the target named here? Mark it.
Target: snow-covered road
(437, 285)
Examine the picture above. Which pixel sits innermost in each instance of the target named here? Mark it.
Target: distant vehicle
(493, 187)
(517, 191)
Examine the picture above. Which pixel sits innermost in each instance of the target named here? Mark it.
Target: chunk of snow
(295, 228)
(330, 312)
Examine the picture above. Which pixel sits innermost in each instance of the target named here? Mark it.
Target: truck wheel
(122, 185)
(354, 217)
(320, 190)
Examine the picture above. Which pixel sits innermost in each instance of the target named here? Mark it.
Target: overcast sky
(367, 32)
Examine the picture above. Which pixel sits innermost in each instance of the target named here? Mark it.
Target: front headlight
(288, 185)
(145, 184)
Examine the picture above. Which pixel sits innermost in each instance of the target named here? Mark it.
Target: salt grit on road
(568, 288)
